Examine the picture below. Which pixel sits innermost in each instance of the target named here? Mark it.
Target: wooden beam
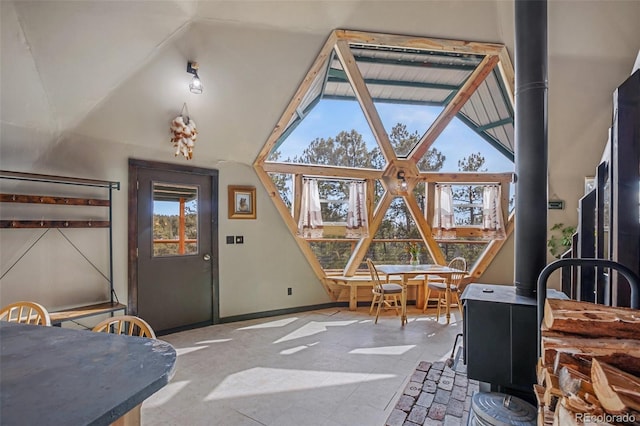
(437, 44)
(297, 196)
(323, 171)
(452, 108)
(430, 196)
(282, 208)
(508, 75)
(467, 177)
(363, 245)
(492, 250)
(425, 230)
(504, 199)
(320, 62)
(364, 97)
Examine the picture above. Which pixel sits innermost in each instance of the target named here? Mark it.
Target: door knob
(207, 256)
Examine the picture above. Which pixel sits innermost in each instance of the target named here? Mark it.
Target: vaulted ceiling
(114, 70)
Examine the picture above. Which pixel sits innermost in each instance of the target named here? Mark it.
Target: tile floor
(330, 367)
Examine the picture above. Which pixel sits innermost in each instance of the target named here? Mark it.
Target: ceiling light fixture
(196, 85)
(402, 182)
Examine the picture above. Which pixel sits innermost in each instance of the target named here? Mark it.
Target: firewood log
(552, 390)
(617, 391)
(573, 361)
(565, 417)
(573, 382)
(541, 372)
(621, 353)
(589, 319)
(542, 409)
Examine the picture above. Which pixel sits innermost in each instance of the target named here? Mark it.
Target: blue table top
(61, 376)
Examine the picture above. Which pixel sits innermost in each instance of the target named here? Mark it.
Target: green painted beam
(503, 92)
(496, 124)
(381, 100)
(426, 64)
(396, 83)
(487, 137)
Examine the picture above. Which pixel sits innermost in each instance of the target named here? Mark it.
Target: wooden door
(173, 245)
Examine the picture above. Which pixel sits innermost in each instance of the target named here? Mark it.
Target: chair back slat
(125, 324)
(25, 312)
(377, 284)
(457, 278)
(459, 263)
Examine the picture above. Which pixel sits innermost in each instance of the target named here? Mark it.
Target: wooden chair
(448, 289)
(132, 326)
(383, 293)
(25, 313)
(126, 324)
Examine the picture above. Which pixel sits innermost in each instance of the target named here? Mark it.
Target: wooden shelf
(45, 199)
(54, 224)
(79, 221)
(86, 311)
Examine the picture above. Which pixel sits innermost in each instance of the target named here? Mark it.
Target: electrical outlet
(230, 239)
(239, 239)
(289, 291)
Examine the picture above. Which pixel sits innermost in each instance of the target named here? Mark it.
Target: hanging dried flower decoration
(184, 134)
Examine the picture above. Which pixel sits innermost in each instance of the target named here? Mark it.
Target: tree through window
(389, 107)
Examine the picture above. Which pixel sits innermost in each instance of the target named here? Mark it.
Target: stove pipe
(530, 143)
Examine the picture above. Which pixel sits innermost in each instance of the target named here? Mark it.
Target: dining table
(407, 272)
(63, 376)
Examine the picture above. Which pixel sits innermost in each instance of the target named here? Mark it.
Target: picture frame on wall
(242, 202)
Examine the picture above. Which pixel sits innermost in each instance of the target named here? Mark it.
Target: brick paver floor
(435, 395)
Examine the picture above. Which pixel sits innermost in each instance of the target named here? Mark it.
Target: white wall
(253, 55)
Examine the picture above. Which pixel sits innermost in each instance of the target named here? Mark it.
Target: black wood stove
(500, 337)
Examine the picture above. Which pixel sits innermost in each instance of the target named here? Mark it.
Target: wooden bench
(355, 281)
(85, 311)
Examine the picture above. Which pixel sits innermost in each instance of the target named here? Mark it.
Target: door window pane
(175, 219)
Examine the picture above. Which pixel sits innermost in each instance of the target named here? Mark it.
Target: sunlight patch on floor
(208, 342)
(184, 351)
(271, 324)
(313, 327)
(260, 380)
(297, 349)
(383, 350)
(165, 394)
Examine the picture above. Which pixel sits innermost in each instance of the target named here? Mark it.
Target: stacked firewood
(589, 371)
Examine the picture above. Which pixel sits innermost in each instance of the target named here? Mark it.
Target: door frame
(134, 166)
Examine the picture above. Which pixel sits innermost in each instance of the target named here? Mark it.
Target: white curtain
(492, 220)
(443, 221)
(357, 226)
(310, 223)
